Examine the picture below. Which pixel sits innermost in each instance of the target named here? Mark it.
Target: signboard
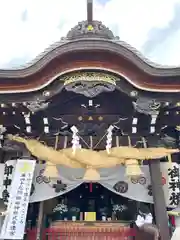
(15, 220)
(174, 185)
(7, 180)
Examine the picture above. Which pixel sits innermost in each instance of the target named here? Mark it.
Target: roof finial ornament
(90, 28)
(89, 11)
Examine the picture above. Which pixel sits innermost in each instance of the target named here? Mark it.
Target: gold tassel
(132, 165)
(170, 160)
(51, 169)
(132, 168)
(91, 174)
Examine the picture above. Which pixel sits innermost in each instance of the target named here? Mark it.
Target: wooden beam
(89, 11)
(16, 123)
(159, 200)
(97, 142)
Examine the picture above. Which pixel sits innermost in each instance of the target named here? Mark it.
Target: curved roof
(96, 32)
(64, 41)
(94, 43)
(90, 36)
(63, 21)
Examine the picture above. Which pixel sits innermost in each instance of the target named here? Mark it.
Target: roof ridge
(64, 40)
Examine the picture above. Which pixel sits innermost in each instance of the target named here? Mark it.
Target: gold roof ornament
(90, 27)
(89, 84)
(100, 118)
(80, 118)
(94, 29)
(89, 77)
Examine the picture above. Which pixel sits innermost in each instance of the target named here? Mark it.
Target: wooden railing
(81, 230)
(51, 234)
(68, 230)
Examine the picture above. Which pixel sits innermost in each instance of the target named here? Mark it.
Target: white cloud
(136, 18)
(47, 21)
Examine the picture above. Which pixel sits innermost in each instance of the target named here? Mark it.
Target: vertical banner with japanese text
(174, 185)
(15, 220)
(7, 179)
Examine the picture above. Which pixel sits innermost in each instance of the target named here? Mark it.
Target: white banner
(14, 223)
(174, 185)
(114, 179)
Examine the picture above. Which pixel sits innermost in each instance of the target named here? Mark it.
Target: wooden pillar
(159, 199)
(41, 216)
(40, 222)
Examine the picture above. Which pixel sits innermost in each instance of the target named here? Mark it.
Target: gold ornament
(93, 160)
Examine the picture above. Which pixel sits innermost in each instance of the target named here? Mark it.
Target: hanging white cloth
(148, 219)
(140, 221)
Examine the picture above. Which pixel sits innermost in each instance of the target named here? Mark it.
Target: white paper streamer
(109, 138)
(75, 139)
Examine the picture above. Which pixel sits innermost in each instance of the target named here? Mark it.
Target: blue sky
(30, 26)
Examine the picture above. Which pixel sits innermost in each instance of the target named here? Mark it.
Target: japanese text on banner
(174, 185)
(14, 223)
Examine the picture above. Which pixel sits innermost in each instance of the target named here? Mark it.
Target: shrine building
(92, 93)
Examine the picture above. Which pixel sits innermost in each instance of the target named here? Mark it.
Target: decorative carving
(89, 76)
(140, 180)
(37, 105)
(167, 141)
(13, 146)
(41, 178)
(46, 93)
(95, 29)
(168, 137)
(147, 106)
(2, 131)
(133, 93)
(162, 141)
(90, 89)
(121, 187)
(59, 186)
(149, 188)
(90, 84)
